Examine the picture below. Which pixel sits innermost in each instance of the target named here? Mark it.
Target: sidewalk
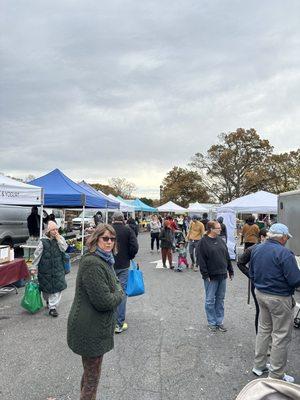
(167, 352)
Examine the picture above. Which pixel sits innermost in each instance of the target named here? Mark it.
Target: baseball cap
(280, 229)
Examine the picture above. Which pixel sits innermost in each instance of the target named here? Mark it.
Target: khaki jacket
(196, 230)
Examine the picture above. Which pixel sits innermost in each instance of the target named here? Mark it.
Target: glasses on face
(107, 238)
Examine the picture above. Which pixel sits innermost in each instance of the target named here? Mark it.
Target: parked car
(88, 219)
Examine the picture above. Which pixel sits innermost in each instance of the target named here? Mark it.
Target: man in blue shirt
(275, 275)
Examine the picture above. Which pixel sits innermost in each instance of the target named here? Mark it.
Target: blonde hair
(92, 241)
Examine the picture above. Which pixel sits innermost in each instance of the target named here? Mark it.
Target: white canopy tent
(260, 202)
(124, 207)
(17, 193)
(197, 208)
(171, 207)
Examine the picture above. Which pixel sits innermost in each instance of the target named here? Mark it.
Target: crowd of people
(99, 306)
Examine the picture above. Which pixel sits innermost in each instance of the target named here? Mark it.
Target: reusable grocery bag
(135, 283)
(32, 300)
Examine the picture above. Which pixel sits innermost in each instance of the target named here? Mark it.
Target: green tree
(235, 166)
(183, 186)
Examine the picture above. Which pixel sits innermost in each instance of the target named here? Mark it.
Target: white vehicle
(88, 219)
(13, 224)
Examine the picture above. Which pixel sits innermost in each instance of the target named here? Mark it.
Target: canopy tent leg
(41, 221)
(82, 229)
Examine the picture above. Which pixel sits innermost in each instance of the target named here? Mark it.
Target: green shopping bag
(32, 300)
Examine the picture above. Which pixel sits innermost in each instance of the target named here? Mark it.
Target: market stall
(171, 207)
(260, 202)
(13, 192)
(61, 192)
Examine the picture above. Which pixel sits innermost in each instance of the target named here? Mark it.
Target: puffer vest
(51, 270)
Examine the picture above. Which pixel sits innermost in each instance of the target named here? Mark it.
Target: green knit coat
(91, 321)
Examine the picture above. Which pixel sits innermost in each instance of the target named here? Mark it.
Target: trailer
(289, 214)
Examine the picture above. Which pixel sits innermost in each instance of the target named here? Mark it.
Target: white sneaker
(288, 378)
(260, 372)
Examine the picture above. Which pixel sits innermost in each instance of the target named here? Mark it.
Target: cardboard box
(4, 254)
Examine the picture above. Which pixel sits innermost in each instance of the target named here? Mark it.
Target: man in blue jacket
(275, 274)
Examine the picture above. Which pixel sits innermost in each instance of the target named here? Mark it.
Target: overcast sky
(131, 88)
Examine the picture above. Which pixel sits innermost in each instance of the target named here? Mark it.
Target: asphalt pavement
(167, 352)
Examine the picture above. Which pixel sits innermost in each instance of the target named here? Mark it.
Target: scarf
(107, 257)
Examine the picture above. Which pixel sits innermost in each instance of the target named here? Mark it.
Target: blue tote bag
(135, 283)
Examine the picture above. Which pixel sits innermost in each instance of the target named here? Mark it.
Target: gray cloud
(126, 88)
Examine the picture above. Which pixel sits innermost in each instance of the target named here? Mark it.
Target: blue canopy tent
(139, 205)
(61, 191)
(111, 204)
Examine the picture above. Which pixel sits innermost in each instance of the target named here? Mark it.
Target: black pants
(155, 237)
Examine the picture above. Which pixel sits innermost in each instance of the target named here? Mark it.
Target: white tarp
(171, 207)
(124, 207)
(260, 203)
(229, 219)
(197, 208)
(19, 193)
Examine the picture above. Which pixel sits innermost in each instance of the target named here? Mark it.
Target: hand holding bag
(135, 283)
(32, 300)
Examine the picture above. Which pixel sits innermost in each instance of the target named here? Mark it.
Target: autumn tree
(183, 186)
(283, 172)
(106, 189)
(122, 187)
(147, 201)
(235, 166)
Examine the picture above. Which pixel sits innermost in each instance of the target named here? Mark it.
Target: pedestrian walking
(250, 233)
(275, 274)
(127, 249)
(205, 220)
(215, 266)
(166, 237)
(155, 227)
(133, 225)
(223, 234)
(195, 233)
(242, 264)
(49, 265)
(91, 321)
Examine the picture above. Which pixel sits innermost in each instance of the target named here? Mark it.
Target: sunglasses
(107, 238)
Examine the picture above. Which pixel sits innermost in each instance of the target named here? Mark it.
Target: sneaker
(288, 378)
(171, 267)
(164, 266)
(212, 328)
(260, 372)
(53, 313)
(120, 329)
(221, 328)
(196, 269)
(125, 326)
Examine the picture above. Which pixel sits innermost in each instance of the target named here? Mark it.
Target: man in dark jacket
(127, 249)
(214, 261)
(275, 274)
(33, 222)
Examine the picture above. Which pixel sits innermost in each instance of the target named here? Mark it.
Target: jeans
(122, 275)
(192, 249)
(214, 301)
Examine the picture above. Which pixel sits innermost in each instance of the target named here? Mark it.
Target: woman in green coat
(91, 320)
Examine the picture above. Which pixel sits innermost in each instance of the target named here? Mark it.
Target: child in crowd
(182, 257)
